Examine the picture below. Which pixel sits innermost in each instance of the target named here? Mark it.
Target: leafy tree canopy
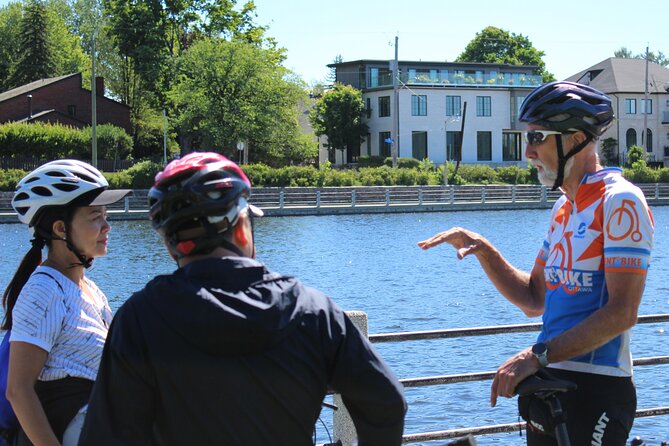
(658, 58)
(339, 114)
(230, 91)
(495, 45)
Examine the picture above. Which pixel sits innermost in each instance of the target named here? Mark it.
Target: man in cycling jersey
(588, 277)
(223, 351)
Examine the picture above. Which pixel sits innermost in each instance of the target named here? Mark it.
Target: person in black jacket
(223, 351)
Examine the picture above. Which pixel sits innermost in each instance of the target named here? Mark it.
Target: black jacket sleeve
(371, 392)
(122, 406)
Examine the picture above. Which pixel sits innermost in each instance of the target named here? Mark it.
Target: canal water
(371, 263)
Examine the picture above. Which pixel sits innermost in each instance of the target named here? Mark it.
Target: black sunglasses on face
(537, 137)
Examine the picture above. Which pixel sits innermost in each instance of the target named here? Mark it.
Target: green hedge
(54, 141)
(141, 176)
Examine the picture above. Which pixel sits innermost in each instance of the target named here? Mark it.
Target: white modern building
(426, 118)
(624, 81)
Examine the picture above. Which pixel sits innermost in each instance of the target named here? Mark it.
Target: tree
(658, 58)
(227, 92)
(35, 55)
(332, 75)
(608, 149)
(10, 22)
(495, 45)
(634, 154)
(339, 114)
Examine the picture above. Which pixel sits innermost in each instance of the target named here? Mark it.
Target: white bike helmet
(62, 183)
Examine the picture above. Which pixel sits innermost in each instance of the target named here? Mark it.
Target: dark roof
(27, 88)
(48, 113)
(622, 75)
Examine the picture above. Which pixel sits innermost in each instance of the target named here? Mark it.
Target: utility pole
(396, 105)
(644, 133)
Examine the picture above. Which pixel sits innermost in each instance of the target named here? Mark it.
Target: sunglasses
(537, 137)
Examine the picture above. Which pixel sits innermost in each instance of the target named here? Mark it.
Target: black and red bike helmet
(196, 200)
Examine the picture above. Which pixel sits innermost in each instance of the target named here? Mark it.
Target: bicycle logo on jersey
(624, 222)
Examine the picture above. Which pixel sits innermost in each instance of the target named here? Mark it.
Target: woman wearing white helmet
(58, 318)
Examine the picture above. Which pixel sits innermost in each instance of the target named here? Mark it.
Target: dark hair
(33, 258)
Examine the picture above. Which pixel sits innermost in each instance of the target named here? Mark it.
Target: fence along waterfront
(291, 201)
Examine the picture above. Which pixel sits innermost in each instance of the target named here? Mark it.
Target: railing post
(513, 193)
(452, 194)
(657, 191)
(483, 195)
(387, 197)
(420, 196)
(318, 198)
(343, 427)
(544, 194)
(281, 199)
(353, 198)
(126, 205)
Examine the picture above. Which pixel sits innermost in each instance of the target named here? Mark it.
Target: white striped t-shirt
(65, 324)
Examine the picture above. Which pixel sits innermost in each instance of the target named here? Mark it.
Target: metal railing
(483, 376)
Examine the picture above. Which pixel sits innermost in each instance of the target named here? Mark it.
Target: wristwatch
(540, 351)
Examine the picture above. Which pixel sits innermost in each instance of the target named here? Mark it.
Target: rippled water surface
(371, 263)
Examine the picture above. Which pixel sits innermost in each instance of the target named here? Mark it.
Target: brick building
(62, 100)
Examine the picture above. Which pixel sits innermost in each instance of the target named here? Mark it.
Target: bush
(143, 174)
(370, 161)
(478, 173)
(43, 141)
(10, 177)
(113, 142)
(403, 163)
(513, 175)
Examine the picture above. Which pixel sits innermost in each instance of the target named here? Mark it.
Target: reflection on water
(371, 263)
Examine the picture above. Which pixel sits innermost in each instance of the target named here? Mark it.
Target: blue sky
(574, 34)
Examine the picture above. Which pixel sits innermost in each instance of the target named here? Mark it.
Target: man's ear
(58, 229)
(239, 232)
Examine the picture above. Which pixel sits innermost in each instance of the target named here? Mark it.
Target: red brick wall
(59, 96)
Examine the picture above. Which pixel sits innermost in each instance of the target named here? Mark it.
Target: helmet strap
(562, 159)
(83, 260)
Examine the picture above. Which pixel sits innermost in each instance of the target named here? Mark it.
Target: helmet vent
(22, 210)
(21, 196)
(33, 179)
(43, 191)
(66, 187)
(55, 173)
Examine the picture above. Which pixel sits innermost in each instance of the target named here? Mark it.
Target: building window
(418, 105)
(384, 106)
(72, 110)
(419, 145)
(384, 144)
(373, 77)
(368, 108)
(453, 105)
(630, 138)
(649, 140)
(630, 106)
(368, 143)
(452, 146)
(650, 106)
(484, 146)
(483, 105)
(511, 146)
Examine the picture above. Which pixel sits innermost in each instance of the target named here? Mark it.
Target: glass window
(433, 76)
(412, 74)
(443, 75)
(419, 145)
(384, 106)
(72, 110)
(511, 146)
(384, 144)
(368, 108)
(483, 105)
(453, 105)
(630, 138)
(650, 106)
(484, 146)
(630, 106)
(368, 141)
(373, 77)
(452, 146)
(418, 105)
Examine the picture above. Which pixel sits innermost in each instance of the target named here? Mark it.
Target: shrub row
(47, 141)
(141, 176)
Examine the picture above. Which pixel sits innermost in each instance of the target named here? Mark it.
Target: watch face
(539, 349)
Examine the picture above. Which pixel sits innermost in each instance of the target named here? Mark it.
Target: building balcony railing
(506, 80)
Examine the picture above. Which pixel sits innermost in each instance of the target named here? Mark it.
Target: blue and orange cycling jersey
(607, 228)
